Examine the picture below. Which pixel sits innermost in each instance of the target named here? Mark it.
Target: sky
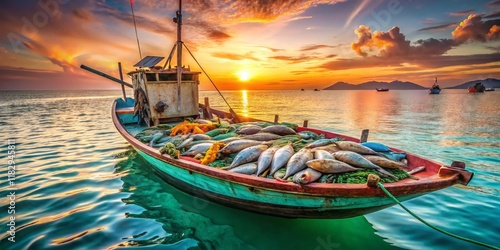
(263, 44)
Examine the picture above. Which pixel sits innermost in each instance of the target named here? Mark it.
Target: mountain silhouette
(488, 83)
(372, 85)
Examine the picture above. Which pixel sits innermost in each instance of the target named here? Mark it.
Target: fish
(185, 143)
(192, 143)
(197, 149)
(262, 137)
(247, 155)
(278, 130)
(330, 166)
(249, 129)
(306, 176)
(319, 143)
(155, 138)
(247, 168)
(224, 136)
(298, 162)
(322, 154)
(238, 145)
(332, 148)
(308, 135)
(230, 139)
(216, 132)
(384, 162)
(358, 160)
(202, 121)
(281, 157)
(200, 137)
(375, 146)
(265, 160)
(355, 147)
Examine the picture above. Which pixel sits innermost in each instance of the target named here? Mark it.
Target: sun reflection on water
(244, 102)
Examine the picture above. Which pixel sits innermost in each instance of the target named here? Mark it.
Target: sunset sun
(243, 75)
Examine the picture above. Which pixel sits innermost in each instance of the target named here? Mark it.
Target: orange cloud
(394, 44)
(475, 29)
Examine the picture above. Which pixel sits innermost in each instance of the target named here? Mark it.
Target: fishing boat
(382, 89)
(165, 96)
(477, 88)
(435, 89)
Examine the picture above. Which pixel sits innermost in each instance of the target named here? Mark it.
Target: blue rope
(431, 226)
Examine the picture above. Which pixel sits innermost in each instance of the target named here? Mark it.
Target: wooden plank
(364, 135)
(121, 78)
(207, 112)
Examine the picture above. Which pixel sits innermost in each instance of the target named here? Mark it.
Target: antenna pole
(135, 27)
(179, 55)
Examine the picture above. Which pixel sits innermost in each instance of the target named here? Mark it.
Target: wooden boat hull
(434, 91)
(268, 196)
(382, 90)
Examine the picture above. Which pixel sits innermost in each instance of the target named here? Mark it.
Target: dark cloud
(462, 13)
(493, 15)
(439, 27)
(316, 47)
(494, 4)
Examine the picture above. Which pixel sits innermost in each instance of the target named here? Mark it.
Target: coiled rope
(432, 226)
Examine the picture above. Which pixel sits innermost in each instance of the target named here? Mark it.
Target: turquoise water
(79, 185)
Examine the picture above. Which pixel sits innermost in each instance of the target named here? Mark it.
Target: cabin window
(151, 77)
(167, 77)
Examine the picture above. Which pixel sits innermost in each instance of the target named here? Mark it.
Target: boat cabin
(160, 97)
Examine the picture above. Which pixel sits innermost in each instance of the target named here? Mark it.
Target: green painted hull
(266, 201)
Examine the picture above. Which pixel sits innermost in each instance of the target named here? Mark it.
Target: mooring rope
(207, 76)
(432, 226)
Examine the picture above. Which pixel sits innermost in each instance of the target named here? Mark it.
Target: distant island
(399, 85)
(396, 85)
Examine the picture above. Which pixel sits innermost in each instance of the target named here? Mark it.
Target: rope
(431, 226)
(135, 27)
(207, 76)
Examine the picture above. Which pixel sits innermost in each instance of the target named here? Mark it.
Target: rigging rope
(432, 226)
(135, 27)
(207, 76)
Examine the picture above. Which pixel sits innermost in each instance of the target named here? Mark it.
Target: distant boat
(489, 89)
(478, 87)
(301, 89)
(435, 89)
(316, 89)
(382, 89)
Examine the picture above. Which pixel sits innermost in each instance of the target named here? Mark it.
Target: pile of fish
(278, 151)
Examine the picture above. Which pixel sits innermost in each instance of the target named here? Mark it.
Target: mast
(179, 55)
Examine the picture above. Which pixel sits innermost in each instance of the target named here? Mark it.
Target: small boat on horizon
(382, 89)
(477, 88)
(435, 89)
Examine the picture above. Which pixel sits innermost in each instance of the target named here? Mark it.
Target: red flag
(131, 2)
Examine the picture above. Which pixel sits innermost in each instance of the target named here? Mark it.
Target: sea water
(77, 184)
